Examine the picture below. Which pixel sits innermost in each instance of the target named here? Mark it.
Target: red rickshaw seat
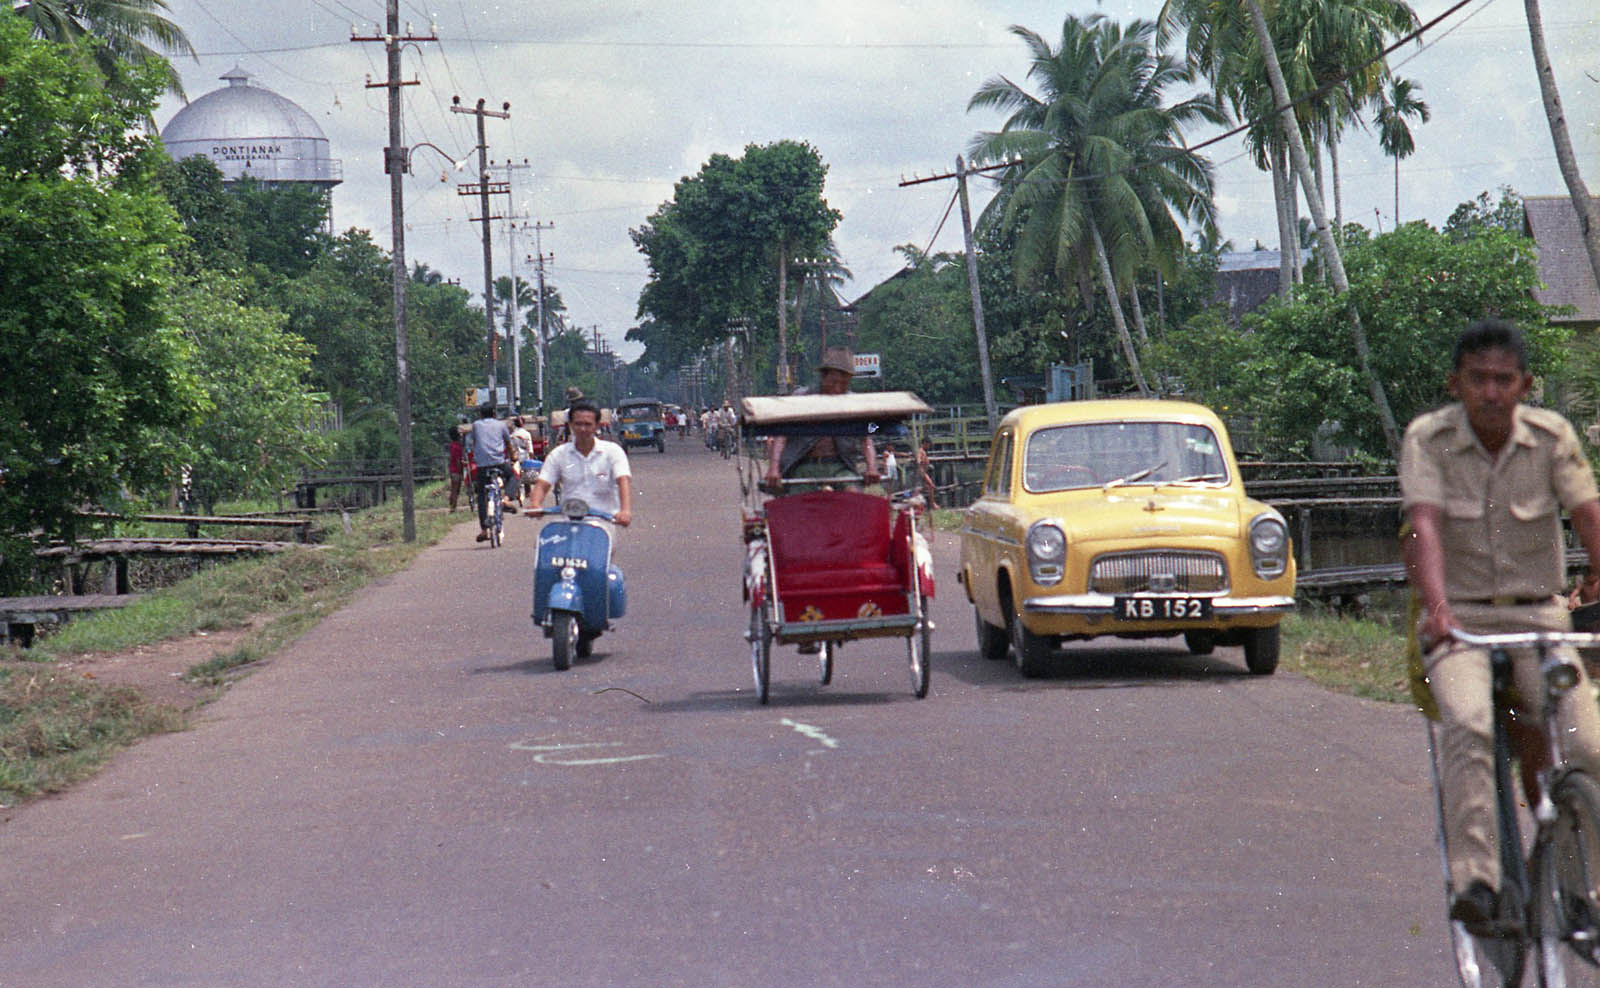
(834, 541)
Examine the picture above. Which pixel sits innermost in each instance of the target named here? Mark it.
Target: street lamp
(405, 159)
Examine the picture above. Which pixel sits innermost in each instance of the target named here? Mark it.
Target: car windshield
(639, 413)
(1104, 454)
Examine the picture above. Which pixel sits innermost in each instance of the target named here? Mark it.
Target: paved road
(411, 795)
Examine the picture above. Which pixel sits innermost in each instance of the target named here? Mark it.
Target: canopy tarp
(881, 407)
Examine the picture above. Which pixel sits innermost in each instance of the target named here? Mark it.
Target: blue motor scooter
(577, 593)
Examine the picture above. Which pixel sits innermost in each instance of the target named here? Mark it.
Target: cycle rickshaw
(826, 565)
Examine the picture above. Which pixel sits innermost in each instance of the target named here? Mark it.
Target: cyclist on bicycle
(1482, 484)
(492, 450)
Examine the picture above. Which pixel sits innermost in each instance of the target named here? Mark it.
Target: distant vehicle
(640, 423)
(1125, 518)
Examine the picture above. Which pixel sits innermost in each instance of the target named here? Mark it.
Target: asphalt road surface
(411, 795)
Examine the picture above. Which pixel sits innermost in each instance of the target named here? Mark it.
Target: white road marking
(814, 733)
(547, 752)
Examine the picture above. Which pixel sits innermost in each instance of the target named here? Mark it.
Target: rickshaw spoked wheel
(760, 650)
(919, 650)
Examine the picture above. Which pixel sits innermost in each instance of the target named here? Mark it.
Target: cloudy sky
(612, 101)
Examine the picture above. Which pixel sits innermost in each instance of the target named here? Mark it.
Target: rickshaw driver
(823, 456)
(1482, 482)
(590, 468)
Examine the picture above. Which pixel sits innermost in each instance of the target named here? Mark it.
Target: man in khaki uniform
(1483, 482)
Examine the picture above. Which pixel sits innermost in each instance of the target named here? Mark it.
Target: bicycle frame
(1500, 959)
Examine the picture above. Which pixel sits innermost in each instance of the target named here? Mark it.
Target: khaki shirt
(1502, 518)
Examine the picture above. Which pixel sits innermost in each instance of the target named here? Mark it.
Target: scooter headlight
(575, 508)
(568, 573)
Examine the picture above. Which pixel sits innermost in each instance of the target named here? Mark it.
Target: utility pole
(960, 175)
(539, 259)
(514, 305)
(483, 188)
(396, 163)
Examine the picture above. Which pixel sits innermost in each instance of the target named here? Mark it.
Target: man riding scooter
(577, 591)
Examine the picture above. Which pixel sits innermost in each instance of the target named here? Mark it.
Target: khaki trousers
(1460, 679)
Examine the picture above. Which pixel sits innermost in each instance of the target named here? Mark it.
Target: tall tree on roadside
(1399, 103)
(1588, 210)
(120, 31)
(1101, 173)
(87, 342)
(1341, 284)
(720, 249)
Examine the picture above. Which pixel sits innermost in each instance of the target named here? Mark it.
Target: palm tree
(1099, 166)
(1316, 42)
(1588, 210)
(122, 30)
(1399, 104)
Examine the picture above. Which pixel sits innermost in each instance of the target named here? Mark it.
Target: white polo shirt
(593, 477)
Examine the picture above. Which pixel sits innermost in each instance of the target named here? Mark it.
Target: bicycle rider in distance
(1482, 484)
(492, 450)
(821, 457)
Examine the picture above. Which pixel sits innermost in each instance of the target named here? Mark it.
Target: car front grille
(1162, 571)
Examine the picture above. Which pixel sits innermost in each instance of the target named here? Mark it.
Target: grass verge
(1360, 656)
(56, 729)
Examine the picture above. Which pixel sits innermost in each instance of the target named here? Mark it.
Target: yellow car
(1126, 518)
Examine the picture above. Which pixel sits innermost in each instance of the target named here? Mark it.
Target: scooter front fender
(565, 595)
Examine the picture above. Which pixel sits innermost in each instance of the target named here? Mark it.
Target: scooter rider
(590, 468)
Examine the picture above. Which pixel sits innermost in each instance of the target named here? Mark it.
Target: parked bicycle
(1549, 904)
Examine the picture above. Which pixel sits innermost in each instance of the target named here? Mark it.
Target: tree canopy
(713, 249)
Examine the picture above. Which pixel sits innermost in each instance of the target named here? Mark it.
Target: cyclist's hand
(1435, 627)
(623, 518)
(1589, 589)
(772, 483)
(872, 477)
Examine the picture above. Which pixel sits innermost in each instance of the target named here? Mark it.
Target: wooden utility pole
(396, 162)
(991, 411)
(483, 188)
(989, 408)
(543, 341)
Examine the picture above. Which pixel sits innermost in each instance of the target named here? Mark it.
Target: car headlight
(1047, 552)
(1269, 546)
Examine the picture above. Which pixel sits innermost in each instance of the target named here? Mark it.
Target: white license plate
(1163, 608)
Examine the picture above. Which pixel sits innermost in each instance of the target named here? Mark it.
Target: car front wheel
(1261, 647)
(1029, 651)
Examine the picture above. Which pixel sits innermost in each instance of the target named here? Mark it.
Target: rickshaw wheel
(825, 663)
(919, 650)
(760, 650)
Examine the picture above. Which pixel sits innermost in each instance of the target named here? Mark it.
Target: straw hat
(838, 358)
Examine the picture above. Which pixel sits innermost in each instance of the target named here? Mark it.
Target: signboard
(477, 397)
(867, 365)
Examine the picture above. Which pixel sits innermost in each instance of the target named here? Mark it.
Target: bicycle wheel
(1484, 962)
(1566, 912)
(496, 495)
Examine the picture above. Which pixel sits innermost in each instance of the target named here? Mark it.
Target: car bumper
(1101, 605)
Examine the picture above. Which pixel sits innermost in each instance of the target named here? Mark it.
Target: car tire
(1200, 642)
(1261, 647)
(1030, 652)
(992, 641)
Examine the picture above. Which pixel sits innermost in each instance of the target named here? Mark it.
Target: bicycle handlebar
(591, 513)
